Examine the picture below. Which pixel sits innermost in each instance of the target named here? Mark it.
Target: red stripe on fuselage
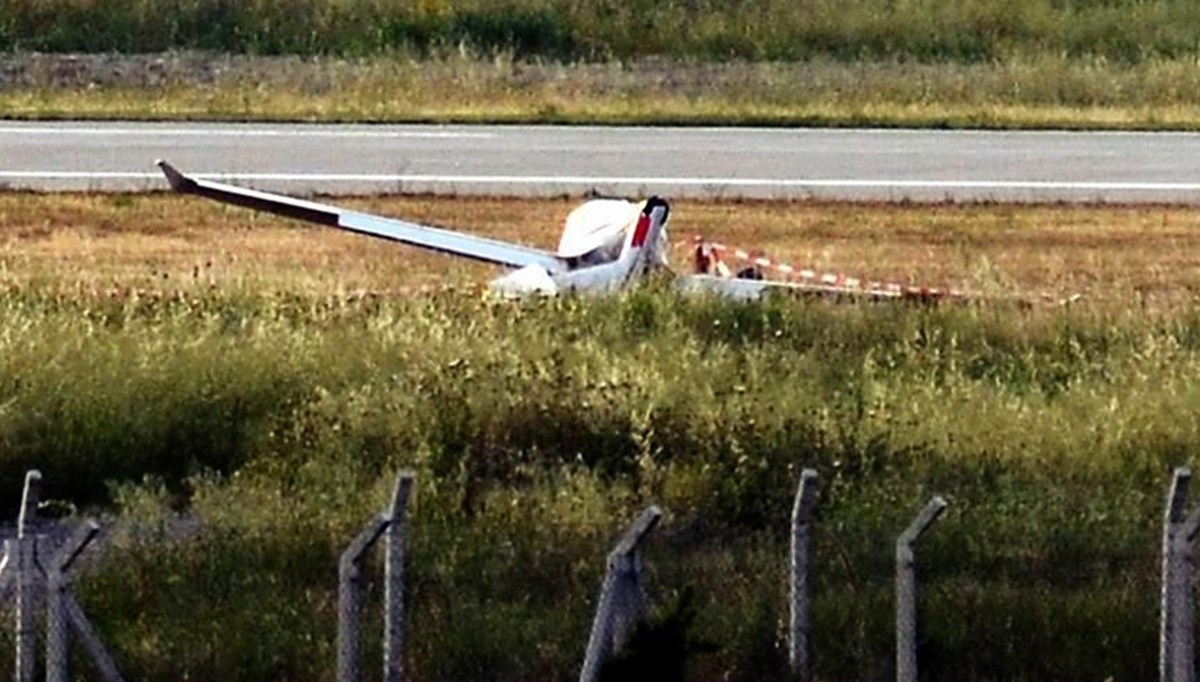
(640, 232)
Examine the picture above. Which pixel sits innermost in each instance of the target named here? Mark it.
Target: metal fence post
(91, 641)
(21, 566)
(8, 567)
(58, 623)
(1173, 517)
(1183, 665)
(349, 665)
(622, 597)
(393, 614)
(802, 515)
(906, 590)
(26, 564)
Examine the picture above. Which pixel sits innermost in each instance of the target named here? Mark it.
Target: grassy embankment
(1021, 63)
(190, 368)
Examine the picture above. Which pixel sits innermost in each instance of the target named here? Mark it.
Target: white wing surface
(757, 288)
(413, 234)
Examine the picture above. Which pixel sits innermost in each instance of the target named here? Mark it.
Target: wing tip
(178, 181)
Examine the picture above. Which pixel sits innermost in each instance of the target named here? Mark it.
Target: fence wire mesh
(36, 564)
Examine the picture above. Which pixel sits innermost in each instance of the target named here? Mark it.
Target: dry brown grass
(1049, 91)
(1119, 254)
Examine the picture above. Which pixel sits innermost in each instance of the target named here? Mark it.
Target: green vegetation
(966, 63)
(276, 421)
(1038, 91)
(927, 30)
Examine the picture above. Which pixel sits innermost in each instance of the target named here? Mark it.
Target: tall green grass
(274, 423)
(927, 30)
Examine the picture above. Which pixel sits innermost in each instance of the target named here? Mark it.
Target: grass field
(159, 354)
(965, 63)
(708, 30)
(1038, 91)
(1112, 255)
(234, 393)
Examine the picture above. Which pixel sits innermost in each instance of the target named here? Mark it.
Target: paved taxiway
(549, 160)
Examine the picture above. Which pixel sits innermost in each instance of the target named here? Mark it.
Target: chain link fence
(36, 569)
(36, 566)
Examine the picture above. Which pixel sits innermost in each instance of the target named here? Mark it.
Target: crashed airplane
(607, 245)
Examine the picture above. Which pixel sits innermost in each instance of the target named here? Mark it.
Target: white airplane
(606, 245)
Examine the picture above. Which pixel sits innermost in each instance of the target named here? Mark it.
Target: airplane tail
(651, 220)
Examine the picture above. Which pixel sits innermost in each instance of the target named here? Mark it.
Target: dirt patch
(149, 71)
(73, 71)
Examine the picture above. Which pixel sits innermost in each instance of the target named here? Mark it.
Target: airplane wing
(757, 288)
(714, 276)
(414, 234)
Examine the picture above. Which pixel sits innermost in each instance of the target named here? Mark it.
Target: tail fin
(653, 217)
(643, 241)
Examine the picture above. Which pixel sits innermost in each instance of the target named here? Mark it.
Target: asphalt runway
(885, 165)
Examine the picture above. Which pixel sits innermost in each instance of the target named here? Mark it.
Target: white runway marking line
(248, 132)
(613, 180)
